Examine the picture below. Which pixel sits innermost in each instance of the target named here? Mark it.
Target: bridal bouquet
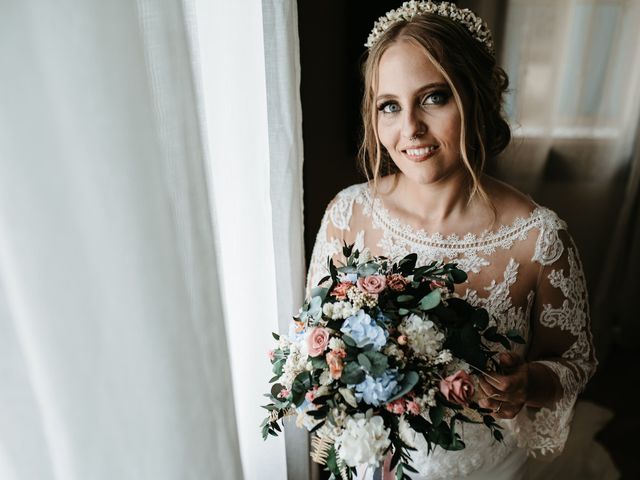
(382, 351)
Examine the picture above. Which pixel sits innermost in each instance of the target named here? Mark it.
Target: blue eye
(436, 98)
(389, 107)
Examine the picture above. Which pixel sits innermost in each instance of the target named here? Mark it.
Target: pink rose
(334, 360)
(458, 388)
(284, 393)
(402, 340)
(271, 354)
(372, 283)
(317, 341)
(396, 407)
(413, 408)
(311, 395)
(340, 290)
(397, 282)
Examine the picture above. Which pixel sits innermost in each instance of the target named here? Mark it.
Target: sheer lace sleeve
(561, 339)
(334, 231)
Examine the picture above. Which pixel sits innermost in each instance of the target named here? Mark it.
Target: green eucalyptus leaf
(409, 381)
(431, 300)
(377, 362)
(436, 414)
(480, 318)
(514, 336)
(458, 275)
(275, 389)
(352, 374)
(319, 292)
(349, 341)
(364, 361)
(348, 396)
(406, 298)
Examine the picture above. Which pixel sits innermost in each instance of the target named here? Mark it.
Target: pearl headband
(474, 24)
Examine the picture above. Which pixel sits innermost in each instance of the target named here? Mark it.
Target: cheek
(386, 133)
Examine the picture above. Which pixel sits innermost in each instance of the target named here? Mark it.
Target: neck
(434, 205)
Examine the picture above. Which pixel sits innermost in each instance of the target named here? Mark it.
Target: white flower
(422, 336)
(327, 309)
(296, 363)
(338, 310)
(336, 344)
(474, 24)
(444, 357)
(428, 400)
(363, 440)
(325, 378)
(457, 364)
(407, 434)
(392, 350)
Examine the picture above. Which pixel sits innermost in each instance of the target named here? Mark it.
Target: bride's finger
(488, 389)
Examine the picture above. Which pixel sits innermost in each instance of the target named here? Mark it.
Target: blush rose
(340, 290)
(334, 360)
(317, 341)
(396, 282)
(372, 284)
(458, 388)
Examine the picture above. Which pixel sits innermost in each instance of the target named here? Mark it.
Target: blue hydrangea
(349, 277)
(364, 330)
(377, 391)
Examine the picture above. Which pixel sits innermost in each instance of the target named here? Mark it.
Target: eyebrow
(429, 86)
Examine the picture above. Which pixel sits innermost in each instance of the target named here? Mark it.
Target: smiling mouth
(420, 153)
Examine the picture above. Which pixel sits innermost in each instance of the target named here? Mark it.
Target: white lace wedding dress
(528, 276)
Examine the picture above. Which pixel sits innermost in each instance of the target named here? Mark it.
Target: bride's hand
(506, 393)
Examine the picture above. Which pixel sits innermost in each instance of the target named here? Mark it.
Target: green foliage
(352, 374)
(373, 362)
(409, 381)
(427, 293)
(431, 300)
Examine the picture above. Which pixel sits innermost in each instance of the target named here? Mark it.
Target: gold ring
(498, 409)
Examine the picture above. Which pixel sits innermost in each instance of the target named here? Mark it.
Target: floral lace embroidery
(549, 246)
(499, 303)
(572, 315)
(547, 432)
(399, 239)
(342, 208)
(538, 430)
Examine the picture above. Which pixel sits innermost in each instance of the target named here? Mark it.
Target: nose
(412, 124)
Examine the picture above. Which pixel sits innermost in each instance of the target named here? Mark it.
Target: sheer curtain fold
(252, 130)
(114, 352)
(574, 104)
(282, 68)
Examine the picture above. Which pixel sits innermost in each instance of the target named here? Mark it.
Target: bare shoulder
(510, 203)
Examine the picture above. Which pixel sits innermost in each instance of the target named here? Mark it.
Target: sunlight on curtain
(574, 75)
(253, 133)
(113, 350)
(574, 70)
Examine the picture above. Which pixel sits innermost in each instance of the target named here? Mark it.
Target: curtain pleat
(114, 355)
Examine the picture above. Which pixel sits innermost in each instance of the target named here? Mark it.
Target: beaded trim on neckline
(504, 234)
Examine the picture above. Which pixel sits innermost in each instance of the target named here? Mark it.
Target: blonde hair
(476, 81)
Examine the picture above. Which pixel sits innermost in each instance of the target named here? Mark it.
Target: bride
(432, 114)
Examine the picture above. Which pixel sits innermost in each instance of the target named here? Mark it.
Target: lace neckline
(505, 233)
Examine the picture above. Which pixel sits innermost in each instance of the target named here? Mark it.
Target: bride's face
(418, 119)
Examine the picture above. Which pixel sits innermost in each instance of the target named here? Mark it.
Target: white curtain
(574, 69)
(119, 130)
(253, 131)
